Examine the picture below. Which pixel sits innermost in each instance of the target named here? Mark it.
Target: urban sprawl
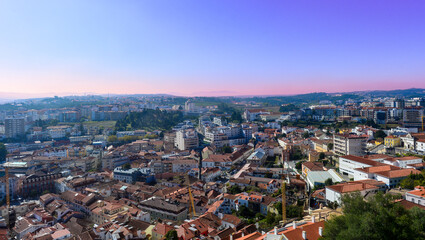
(220, 168)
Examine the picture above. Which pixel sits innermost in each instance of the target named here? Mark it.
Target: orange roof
(363, 160)
(162, 229)
(356, 186)
(419, 191)
(251, 236)
(311, 229)
(399, 173)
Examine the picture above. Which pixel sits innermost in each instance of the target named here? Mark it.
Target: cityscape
(209, 120)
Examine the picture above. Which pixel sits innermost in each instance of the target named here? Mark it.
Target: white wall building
(186, 139)
(416, 196)
(349, 144)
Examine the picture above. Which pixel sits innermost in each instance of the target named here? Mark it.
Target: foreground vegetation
(381, 217)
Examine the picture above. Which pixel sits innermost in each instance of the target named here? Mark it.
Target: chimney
(304, 234)
(275, 230)
(313, 219)
(320, 231)
(257, 225)
(231, 236)
(294, 225)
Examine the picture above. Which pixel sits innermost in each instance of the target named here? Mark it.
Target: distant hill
(411, 92)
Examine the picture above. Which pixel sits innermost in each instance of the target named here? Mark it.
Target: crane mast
(6, 170)
(191, 204)
(284, 157)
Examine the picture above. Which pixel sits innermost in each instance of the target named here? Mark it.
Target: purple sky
(237, 47)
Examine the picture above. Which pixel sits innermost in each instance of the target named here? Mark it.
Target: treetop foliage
(149, 119)
(378, 218)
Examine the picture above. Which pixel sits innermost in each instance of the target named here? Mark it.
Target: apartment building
(349, 144)
(186, 139)
(14, 127)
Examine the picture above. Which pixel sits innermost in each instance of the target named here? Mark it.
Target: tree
(330, 146)
(112, 138)
(126, 166)
(226, 149)
(306, 135)
(3, 152)
(329, 182)
(171, 235)
(378, 218)
(322, 155)
(245, 212)
(291, 210)
(287, 108)
(298, 165)
(234, 189)
(379, 134)
(413, 180)
(268, 175)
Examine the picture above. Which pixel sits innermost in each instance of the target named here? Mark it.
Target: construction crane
(423, 123)
(283, 200)
(191, 204)
(284, 157)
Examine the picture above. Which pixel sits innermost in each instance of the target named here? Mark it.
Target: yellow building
(392, 141)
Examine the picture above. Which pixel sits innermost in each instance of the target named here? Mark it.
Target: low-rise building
(392, 141)
(416, 196)
(127, 175)
(161, 209)
(334, 193)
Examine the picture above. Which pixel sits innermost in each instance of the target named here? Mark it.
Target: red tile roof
(162, 229)
(356, 186)
(311, 229)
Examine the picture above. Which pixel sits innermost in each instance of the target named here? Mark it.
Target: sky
(210, 47)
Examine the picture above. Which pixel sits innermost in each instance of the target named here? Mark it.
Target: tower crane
(191, 204)
(6, 170)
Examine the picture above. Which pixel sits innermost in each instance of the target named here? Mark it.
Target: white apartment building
(349, 144)
(56, 132)
(186, 139)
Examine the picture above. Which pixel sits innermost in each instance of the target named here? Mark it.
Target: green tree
(171, 235)
(298, 165)
(112, 138)
(306, 135)
(378, 218)
(329, 182)
(413, 180)
(3, 152)
(379, 134)
(234, 189)
(322, 155)
(126, 166)
(226, 149)
(330, 146)
(245, 212)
